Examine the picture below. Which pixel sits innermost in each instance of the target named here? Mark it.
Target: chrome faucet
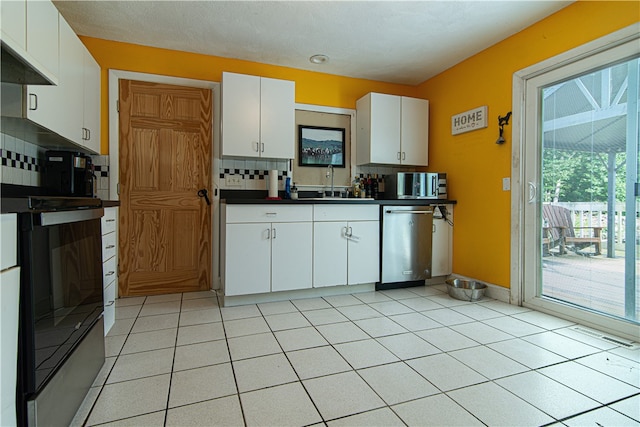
(330, 171)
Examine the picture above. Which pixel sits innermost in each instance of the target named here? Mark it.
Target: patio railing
(589, 214)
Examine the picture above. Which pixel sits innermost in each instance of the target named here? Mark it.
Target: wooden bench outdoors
(559, 231)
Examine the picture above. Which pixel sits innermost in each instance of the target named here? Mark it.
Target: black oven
(61, 297)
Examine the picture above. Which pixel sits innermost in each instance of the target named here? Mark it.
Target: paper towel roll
(273, 183)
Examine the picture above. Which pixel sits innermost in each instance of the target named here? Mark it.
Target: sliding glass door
(580, 161)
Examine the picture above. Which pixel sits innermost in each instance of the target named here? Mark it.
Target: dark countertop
(307, 201)
(259, 197)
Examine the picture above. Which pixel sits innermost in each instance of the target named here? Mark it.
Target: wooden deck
(595, 282)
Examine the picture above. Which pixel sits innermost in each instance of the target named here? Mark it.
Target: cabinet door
(13, 15)
(277, 118)
(248, 259)
(441, 252)
(291, 256)
(110, 306)
(240, 115)
(385, 129)
(91, 102)
(42, 35)
(59, 108)
(364, 252)
(329, 254)
(414, 142)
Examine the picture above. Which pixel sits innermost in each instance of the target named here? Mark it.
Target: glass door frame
(525, 195)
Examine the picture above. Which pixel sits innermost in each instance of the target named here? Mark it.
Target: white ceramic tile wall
(252, 174)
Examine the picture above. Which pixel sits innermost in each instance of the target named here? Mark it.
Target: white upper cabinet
(258, 117)
(30, 31)
(72, 108)
(414, 132)
(392, 130)
(91, 113)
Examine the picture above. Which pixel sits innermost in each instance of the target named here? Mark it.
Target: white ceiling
(392, 41)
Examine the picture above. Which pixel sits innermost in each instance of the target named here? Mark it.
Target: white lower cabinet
(364, 252)
(262, 256)
(329, 254)
(110, 265)
(248, 259)
(291, 256)
(346, 252)
(442, 243)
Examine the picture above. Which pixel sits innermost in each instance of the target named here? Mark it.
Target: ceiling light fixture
(319, 59)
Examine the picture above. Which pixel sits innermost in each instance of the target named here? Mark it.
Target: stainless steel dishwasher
(406, 246)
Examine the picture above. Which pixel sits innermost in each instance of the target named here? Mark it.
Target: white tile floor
(405, 357)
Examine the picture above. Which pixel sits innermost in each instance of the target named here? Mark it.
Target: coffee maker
(68, 173)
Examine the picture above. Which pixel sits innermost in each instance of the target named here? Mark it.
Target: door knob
(205, 194)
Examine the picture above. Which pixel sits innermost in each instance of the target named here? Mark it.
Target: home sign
(469, 120)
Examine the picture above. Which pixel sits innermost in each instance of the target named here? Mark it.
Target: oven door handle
(66, 217)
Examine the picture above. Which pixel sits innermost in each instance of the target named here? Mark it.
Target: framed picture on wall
(320, 146)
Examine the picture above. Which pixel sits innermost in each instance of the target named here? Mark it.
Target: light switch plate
(506, 184)
(233, 180)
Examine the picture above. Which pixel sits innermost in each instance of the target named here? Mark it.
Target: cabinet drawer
(109, 306)
(268, 213)
(108, 246)
(346, 213)
(109, 220)
(109, 271)
(8, 239)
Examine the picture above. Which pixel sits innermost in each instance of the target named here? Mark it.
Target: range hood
(16, 69)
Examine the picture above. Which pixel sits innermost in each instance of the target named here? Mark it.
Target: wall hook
(502, 121)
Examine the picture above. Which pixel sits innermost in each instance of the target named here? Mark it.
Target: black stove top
(18, 199)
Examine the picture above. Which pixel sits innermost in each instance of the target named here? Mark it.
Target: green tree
(572, 176)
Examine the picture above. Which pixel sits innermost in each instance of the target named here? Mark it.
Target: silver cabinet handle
(404, 155)
(111, 273)
(268, 233)
(398, 155)
(110, 303)
(110, 220)
(262, 147)
(271, 213)
(274, 233)
(533, 190)
(257, 146)
(109, 246)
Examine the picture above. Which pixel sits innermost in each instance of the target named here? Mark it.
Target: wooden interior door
(165, 159)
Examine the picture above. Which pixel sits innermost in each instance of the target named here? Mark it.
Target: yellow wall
(311, 87)
(474, 163)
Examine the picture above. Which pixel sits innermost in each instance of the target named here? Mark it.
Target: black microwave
(68, 173)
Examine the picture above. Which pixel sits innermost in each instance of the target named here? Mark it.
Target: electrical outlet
(506, 184)
(233, 180)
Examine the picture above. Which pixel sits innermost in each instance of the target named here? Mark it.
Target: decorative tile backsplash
(238, 174)
(22, 161)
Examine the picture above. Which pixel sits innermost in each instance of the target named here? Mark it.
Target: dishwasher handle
(429, 212)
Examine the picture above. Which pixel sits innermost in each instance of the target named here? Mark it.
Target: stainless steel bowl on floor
(465, 290)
